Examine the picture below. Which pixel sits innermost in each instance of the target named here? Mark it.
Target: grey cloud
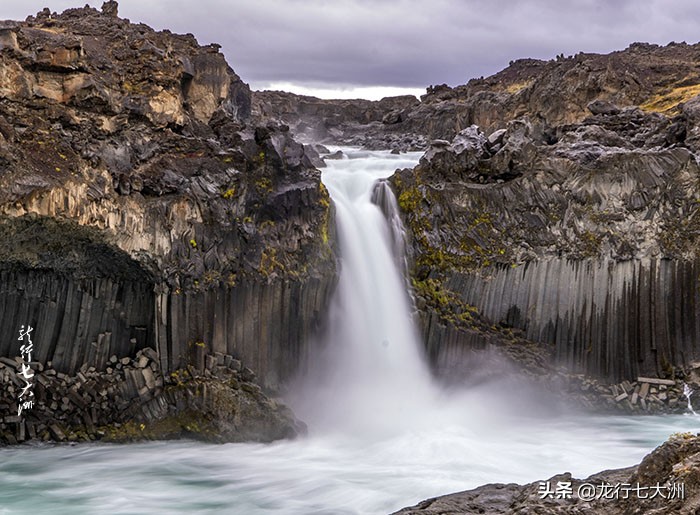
(409, 43)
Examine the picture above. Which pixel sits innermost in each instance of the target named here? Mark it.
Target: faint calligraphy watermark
(25, 400)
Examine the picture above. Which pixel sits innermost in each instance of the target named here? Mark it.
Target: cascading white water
(371, 374)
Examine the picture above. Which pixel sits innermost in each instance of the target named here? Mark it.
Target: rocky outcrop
(370, 124)
(583, 237)
(557, 198)
(565, 90)
(665, 482)
(129, 399)
(141, 207)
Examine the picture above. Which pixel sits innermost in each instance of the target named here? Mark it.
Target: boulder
(602, 107)
(392, 118)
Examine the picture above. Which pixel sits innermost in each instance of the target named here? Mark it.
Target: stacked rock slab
(129, 399)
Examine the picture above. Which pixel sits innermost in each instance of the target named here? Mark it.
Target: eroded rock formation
(371, 124)
(139, 207)
(557, 198)
(551, 93)
(130, 399)
(584, 237)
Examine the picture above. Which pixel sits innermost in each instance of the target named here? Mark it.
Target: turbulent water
(381, 435)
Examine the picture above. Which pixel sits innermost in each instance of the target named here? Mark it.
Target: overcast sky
(371, 48)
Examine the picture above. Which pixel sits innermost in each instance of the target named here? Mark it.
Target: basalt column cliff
(568, 212)
(138, 209)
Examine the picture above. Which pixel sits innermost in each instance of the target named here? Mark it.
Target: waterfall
(371, 374)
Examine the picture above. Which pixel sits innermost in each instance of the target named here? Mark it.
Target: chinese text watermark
(591, 492)
(26, 396)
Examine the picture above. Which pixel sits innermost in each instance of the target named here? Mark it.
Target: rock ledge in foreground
(660, 475)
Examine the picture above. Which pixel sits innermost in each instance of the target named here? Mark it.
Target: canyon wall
(557, 202)
(552, 93)
(584, 239)
(141, 207)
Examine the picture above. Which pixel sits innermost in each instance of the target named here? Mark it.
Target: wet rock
(314, 157)
(320, 149)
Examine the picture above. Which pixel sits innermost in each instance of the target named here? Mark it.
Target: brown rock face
(139, 210)
(372, 124)
(551, 93)
(78, 59)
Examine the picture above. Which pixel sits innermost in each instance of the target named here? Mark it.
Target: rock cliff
(371, 124)
(583, 238)
(551, 93)
(140, 207)
(565, 215)
(559, 91)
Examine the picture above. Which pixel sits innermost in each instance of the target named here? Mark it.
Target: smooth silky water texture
(381, 434)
